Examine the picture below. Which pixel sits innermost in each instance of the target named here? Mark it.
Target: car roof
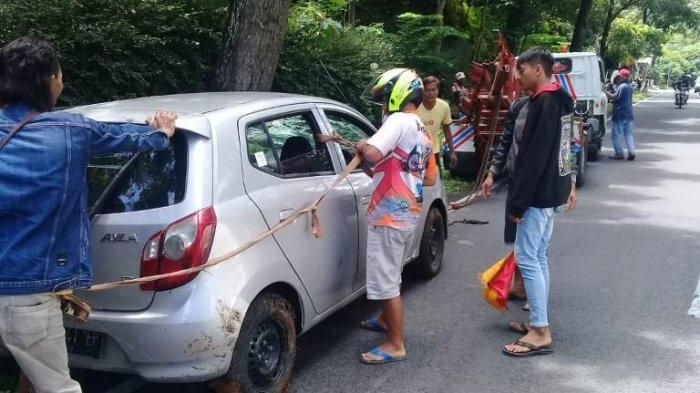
(574, 54)
(200, 103)
(191, 107)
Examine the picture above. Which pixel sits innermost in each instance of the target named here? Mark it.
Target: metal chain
(485, 162)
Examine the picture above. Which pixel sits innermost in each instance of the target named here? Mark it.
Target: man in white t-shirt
(401, 152)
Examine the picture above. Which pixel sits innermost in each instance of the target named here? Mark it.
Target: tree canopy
(114, 49)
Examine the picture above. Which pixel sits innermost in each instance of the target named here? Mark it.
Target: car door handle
(366, 199)
(285, 214)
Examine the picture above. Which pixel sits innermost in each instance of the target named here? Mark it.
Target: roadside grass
(455, 186)
(639, 96)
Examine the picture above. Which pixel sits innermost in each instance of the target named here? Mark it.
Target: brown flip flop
(518, 327)
(513, 296)
(533, 350)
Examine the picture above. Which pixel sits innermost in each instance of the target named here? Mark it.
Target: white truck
(585, 73)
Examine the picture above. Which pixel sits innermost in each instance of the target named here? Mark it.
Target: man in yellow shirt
(435, 114)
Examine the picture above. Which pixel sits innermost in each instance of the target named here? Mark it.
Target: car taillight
(183, 244)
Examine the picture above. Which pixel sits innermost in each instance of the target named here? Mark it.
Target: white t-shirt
(398, 177)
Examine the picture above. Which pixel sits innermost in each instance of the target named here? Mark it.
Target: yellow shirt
(434, 119)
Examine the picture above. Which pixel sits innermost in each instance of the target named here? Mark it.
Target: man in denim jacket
(44, 242)
(622, 117)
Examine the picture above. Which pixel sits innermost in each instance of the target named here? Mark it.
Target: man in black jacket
(541, 186)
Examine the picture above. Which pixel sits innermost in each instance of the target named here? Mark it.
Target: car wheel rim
(266, 357)
(435, 245)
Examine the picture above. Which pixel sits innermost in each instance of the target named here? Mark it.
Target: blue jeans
(531, 244)
(622, 129)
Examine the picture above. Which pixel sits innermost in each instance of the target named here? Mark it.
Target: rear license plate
(84, 342)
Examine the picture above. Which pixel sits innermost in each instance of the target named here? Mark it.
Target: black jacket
(542, 175)
(501, 161)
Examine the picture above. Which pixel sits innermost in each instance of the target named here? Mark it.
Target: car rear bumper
(171, 341)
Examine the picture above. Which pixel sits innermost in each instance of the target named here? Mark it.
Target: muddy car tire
(432, 246)
(264, 354)
(594, 152)
(595, 138)
(581, 163)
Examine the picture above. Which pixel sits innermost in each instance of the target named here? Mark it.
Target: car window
(286, 146)
(156, 179)
(350, 128)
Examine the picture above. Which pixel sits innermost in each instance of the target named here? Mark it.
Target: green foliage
(127, 48)
(431, 47)
(323, 58)
(680, 56)
(630, 40)
(114, 49)
(455, 186)
(386, 11)
(332, 9)
(550, 41)
(638, 96)
(669, 14)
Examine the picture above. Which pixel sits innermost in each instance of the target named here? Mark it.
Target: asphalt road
(623, 267)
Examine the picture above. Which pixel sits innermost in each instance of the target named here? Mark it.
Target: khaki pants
(31, 329)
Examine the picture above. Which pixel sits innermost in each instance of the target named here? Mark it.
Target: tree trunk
(252, 46)
(606, 28)
(479, 38)
(440, 10)
(611, 15)
(513, 30)
(440, 7)
(582, 18)
(352, 12)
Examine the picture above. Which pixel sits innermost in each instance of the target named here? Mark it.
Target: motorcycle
(682, 97)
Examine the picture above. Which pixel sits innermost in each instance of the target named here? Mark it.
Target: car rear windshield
(156, 179)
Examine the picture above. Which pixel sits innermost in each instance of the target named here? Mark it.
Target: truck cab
(584, 72)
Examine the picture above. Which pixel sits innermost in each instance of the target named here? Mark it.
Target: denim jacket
(622, 103)
(44, 228)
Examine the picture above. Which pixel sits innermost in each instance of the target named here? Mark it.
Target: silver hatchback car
(239, 163)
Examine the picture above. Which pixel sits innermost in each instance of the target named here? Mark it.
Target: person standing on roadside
(622, 117)
(402, 153)
(459, 89)
(541, 186)
(44, 239)
(435, 114)
(503, 165)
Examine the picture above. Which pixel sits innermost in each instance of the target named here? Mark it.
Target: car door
(284, 169)
(353, 128)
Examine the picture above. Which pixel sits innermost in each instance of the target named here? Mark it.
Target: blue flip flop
(383, 357)
(372, 325)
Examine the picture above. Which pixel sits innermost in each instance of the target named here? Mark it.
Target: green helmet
(397, 87)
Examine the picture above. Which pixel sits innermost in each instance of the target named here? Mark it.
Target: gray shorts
(385, 250)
